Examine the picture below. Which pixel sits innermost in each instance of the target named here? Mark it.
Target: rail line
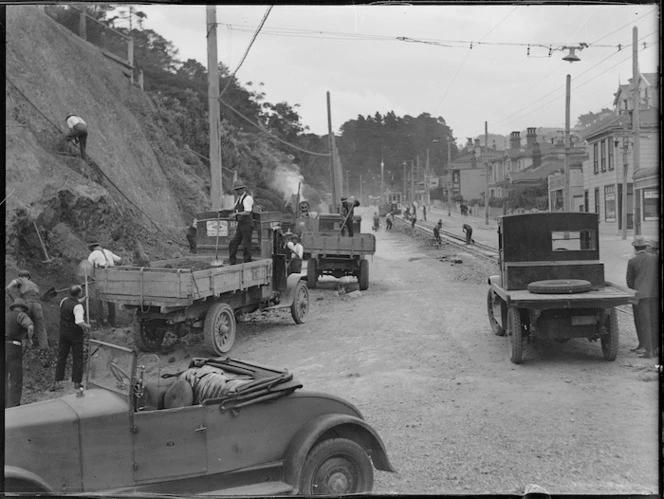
(477, 249)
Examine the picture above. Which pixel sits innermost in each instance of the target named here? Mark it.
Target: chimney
(477, 143)
(531, 137)
(493, 144)
(537, 155)
(515, 140)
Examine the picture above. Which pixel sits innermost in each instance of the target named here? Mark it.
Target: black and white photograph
(390, 249)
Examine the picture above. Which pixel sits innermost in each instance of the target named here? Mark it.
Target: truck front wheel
(148, 336)
(609, 340)
(515, 328)
(491, 299)
(219, 328)
(300, 304)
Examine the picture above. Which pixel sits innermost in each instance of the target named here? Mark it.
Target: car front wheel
(337, 466)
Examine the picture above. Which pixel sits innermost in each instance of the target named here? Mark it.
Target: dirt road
(416, 354)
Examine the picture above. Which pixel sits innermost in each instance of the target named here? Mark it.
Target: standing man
(244, 206)
(77, 130)
(388, 221)
(347, 213)
(72, 333)
(19, 330)
(28, 291)
(642, 272)
(102, 258)
(436, 232)
(424, 212)
(469, 233)
(296, 254)
(191, 236)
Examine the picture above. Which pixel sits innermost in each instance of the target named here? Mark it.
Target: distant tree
(528, 196)
(282, 120)
(590, 118)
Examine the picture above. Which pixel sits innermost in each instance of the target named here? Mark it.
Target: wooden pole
(486, 173)
(335, 166)
(636, 149)
(449, 177)
(567, 193)
(216, 187)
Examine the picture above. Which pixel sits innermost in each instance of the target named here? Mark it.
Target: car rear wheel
(219, 328)
(300, 305)
(515, 327)
(337, 466)
(491, 300)
(148, 336)
(609, 340)
(312, 276)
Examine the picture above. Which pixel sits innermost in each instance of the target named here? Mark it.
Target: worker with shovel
(244, 206)
(347, 212)
(28, 291)
(18, 333)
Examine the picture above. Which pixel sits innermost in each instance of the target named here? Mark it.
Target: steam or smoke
(286, 180)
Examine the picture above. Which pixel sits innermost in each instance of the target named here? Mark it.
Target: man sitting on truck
(244, 206)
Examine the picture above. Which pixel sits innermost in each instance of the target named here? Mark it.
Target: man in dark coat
(469, 233)
(19, 330)
(244, 206)
(347, 212)
(642, 273)
(192, 231)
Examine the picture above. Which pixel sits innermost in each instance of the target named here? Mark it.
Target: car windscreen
(110, 367)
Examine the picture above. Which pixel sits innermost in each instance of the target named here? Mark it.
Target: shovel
(48, 260)
(52, 292)
(216, 262)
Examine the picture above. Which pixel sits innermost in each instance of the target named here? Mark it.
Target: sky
(468, 64)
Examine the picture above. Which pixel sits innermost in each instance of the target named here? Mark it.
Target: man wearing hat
(296, 253)
(347, 212)
(26, 289)
(244, 206)
(642, 272)
(19, 330)
(102, 258)
(77, 130)
(72, 334)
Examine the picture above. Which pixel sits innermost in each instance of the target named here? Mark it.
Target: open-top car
(221, 426)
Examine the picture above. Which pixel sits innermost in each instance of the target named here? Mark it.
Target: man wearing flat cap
(19, 330)
(347, 213)
(244, 206)
(642, 272)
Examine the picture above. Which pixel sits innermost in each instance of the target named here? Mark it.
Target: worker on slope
(244, 206)
(77, 130)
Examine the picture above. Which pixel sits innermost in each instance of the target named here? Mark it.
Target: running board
(257, 490)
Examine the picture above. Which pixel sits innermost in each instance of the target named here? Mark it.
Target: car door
(170, 443)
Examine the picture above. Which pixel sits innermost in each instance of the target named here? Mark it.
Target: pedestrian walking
(191, 236)
(72, 335)
(77, 130)
(101, 258)
(642, 272)
(26, 289)
(469, 233)
(436, 232)
(413, 219)
(424, 212)
(296, 253)
(388, 221)
(244, 206)
(347, 213)
(19, 330)
(376, 221)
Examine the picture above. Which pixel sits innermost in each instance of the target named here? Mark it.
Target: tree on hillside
(282, 120)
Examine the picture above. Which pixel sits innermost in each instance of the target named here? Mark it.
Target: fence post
(82, 29)
(130, 56)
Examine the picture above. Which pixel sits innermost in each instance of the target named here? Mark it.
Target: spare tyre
(560, 286)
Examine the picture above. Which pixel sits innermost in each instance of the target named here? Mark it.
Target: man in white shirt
(77, 130)
(296, 253)
(102, 258)
(72, 335)
(244, 206)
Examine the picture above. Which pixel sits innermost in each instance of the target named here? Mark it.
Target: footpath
(614, 252)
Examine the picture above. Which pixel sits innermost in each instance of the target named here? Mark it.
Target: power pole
(567, 193)
(216, 187)
(360, 198)
(412, 181)
(625, 156)
(486, 173)
(449, 178)
(427, 196)
(335, 166)
(635, 129)
(347, 185)
(382, 168)
(404, 182)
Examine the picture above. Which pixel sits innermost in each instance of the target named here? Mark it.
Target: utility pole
(625, 156)
(427, 196)
(567, 193)
(412, 181)
(347, 185)
(635, 129)
(382, 168)
(335, 166)
(449, 178)
(216, 187)
(360, 198)
(404, 182)
(486, 173)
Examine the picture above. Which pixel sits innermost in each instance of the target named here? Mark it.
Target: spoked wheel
(312, 276)
(219, 328)
(335, 467)
(148, 336)
(491, 300)
(300, 305)
(515, 329)
(610, 339)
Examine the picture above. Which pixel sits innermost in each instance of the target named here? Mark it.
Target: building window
(596, 200)
(602, 155)
(610, 203)
(611, 163)
(595, 157)
(650, 204)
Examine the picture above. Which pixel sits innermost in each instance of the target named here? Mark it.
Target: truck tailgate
(360, 244)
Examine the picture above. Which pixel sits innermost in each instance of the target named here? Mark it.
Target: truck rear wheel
(219, 328)
(609, 340)
(515, 328)
(363, 277)
(148, 337)
(491, 298)
(300, 304)
(312, 276)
